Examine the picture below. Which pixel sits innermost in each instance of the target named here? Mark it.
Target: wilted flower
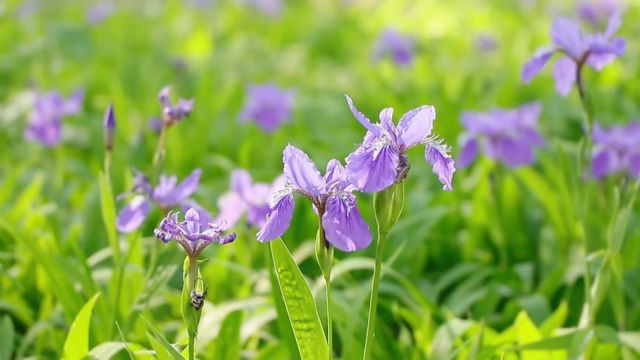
(109, 124)
(332, 198)
(247, 197)
(598, 11)
(173, 114)
(45, 122)
(381, 161)
(191, 234)
(395, 45)
(617, 149)
(268, 105)
(507, 135)
(167, 194)
(271, 8)
(577, 48)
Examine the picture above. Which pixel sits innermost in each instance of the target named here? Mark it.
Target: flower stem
(192, 346)
(327, 280)
(158, 157)
(324, 256)
(373, 303)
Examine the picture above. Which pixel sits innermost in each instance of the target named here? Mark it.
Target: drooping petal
(442, 164)
(343, 225)
(241, 183)
(278, 219)
(564, 74)
(416, 125)
(133, 214)
(535, 64)
(469, 146)
(231, 207)
(361, 118)
(302, 172)
(373, 170)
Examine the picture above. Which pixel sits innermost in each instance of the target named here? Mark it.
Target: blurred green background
(472, 273)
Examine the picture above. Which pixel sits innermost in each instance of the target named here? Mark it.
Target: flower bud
(387, 205)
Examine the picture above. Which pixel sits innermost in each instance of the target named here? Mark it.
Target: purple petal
(241, 183)
(205, 217)
(132, 216)
(231, 207)
(442, 164)
(535, 64)
(73, 104)
(170, 197)
(416, 125)
(344, 226)
(615, 21)
(513, 152)
(386, 120)
(566, 34)
(564, 74)
(301, 171)
(278, 219)
(604, 162)
(633, 163)
(469, 151)
(336, 175)
(361, 118)
(370, 170)
(163, 96)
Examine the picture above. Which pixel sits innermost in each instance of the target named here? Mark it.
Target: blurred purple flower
(167, 194)
(486, 43)
(577, 48)
(109, 125)
(45, 121)
(100, 12)
(507, 135)
(174, 113)
(247, 197)
(271, 8)
(598, 11)
(332, 198)
(617, 149)
(381, 161)
(268, 105)
(191, 234)
(155, 124)
(395, 45)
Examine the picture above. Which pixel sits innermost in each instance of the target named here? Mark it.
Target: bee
(197, 299)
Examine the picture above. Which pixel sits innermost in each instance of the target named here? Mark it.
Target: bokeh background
(497, 261)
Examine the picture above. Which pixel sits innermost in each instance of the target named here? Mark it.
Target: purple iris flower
(507, 135)
(332, 198)
(167, 194)
(45, 121)
(247, 197)
(617, 149)
(174, 113)
(395, 45)
(381, 161)
(268, 105)
(577, 48)
(191, 234)
(598, 11)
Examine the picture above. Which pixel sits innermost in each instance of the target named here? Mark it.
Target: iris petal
(343, 225)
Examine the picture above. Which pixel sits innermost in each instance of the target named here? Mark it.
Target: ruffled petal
(278, 219)
(343, 225)
(302, 172)
(564, 74)
(442, 164)
(370, 170)
(132, 216)
(416, 125)
(535, 64)
(362, 119)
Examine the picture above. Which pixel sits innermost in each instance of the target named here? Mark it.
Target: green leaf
(163, 344)
(227, 345)
(162, 353)
(299, 303)
(108, 350)
(579, 343)
(555, 321)
(284, 326)
(7, 338)
(76, 346)
(108, 208)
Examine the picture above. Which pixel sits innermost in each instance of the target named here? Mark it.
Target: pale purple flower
(191, 234)
(577, 48)
(174, 113)
(155, 124)
(399, 47)
(332, 198)
(506, 135)
(381, 161)
(247, 197)
(45, 121)
(485, 43)
(167, 194)
(101, 11)
(598, 11)
(616, 150)
(268, 105)
(271, 8)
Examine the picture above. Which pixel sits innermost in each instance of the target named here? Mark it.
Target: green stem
(192, 346)
(373, 303)
(327, 280)
(324, 256)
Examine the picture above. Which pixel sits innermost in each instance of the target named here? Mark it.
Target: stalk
(373, 302)
(324, 256)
